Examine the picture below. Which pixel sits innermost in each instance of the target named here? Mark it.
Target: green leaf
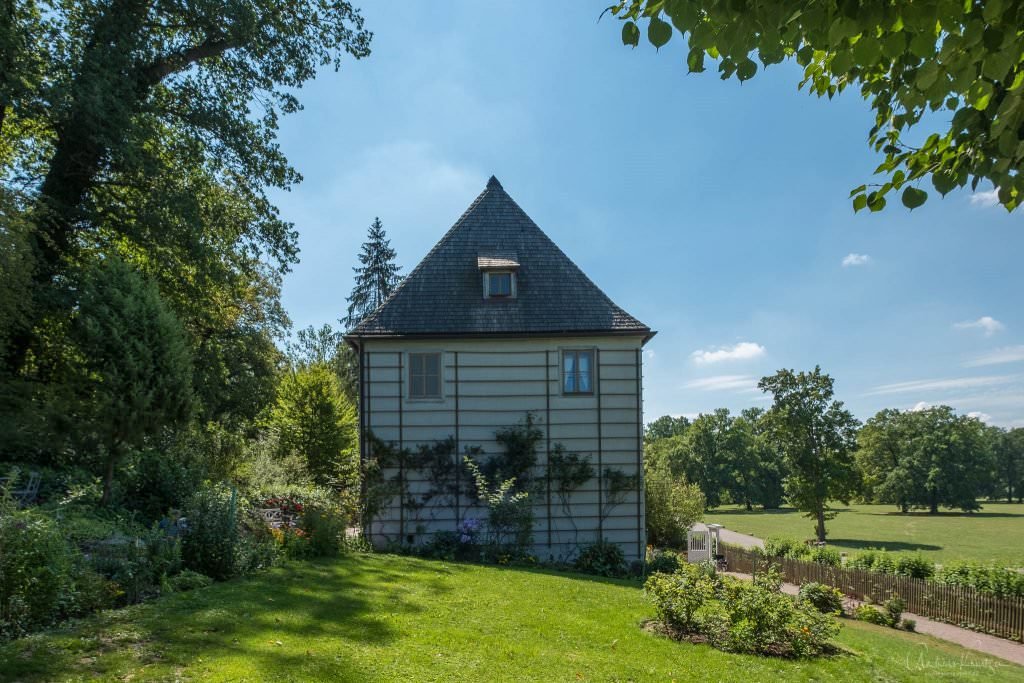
(695, 60)
(926, 76)
(923, 44)
(658, 32)
(944, 181)
(859, 202)
(913, 197)
(875, 202)
(894, 44)
(630, 34)
(746, 69)
(980, 94)
(867, 50)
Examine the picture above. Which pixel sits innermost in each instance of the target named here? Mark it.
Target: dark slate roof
(443, 295)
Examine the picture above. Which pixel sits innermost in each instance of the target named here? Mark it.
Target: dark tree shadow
(859, 544)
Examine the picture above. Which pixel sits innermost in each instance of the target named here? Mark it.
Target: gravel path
(980, 642)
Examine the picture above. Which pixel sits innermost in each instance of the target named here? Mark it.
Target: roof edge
(646, 334)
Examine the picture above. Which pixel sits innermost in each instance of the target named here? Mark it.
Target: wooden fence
(958, 605)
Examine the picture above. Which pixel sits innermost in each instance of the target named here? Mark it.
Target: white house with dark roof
(496, 323)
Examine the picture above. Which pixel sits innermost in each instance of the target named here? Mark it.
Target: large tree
(816, 436)
(108, 99)
(883, 455)
(951, 68)
(376, 277)
(666, 426)
(1009, 465)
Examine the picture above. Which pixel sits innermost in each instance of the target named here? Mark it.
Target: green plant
(777, 546)
(325, 528)
(509, 515)
(824, 555)
(35, 572)
(894, 610)
(663, 561)
(987, 578)
(825, 599)
(915, 566)
(672, 507)
(212, 543)
(871, 615)
(909, 625)
(601, 558)
(678, 596)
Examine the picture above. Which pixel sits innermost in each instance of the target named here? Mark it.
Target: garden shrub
(894, 610)
(990, 578)
(35, 571)
(602, 558)
(777, 546)
(663, 561)
(739, 616)
(825, 599)
(915, 566)
(137, 565)
(212, 543)
(909, 625)
(672, 507)
(871, 615)
(825, 555)
(324, 530)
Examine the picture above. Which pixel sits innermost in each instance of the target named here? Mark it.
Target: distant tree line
(808, 450)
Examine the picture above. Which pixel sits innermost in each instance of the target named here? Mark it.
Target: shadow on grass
(924, 514)
(267, 626)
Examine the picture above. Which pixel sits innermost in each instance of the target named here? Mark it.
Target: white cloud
(920, 405)
(986, 198)
(984, 417)
(985, 323)
(939, 384)
(1007, 354)
(741, 351)
(724, 383)
(852, 260)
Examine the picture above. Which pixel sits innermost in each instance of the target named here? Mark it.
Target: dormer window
(499, 284)
(498, 272)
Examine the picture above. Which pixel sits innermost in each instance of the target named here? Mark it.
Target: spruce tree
(376, 278)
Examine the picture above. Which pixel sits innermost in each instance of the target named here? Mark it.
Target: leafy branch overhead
(952, 66)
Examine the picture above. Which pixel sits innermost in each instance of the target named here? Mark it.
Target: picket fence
(958, 605)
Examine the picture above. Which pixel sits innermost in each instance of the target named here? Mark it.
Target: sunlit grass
(389, 618)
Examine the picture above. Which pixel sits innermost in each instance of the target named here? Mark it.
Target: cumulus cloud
(985, 323)
(986, 198)
(1007, 354)
(919, 406)
(741, 351)
(852, 260)
(940, 384)
(724, 383)
(984, 417)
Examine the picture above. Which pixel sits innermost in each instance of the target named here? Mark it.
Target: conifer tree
(376, 278)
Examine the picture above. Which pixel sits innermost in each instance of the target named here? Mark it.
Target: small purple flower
(465, 538)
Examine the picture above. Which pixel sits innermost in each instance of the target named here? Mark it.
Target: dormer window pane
(499, 284)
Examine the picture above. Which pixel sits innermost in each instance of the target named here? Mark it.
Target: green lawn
(994, 533)
(388, 618)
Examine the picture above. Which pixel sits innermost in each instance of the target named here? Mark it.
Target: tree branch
(177, 61)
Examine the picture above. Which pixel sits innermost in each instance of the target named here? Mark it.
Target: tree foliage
(1008, 475)
(315, 420)
(376, 278)
(136, 377)
(943, 77)
(666, 426)
(816, 436)
(924, 459)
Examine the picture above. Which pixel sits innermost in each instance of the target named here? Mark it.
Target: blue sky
(715, 212)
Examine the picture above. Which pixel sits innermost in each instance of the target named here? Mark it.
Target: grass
(995, 533)
(389, 618)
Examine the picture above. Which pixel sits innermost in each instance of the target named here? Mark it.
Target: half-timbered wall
(491, 384)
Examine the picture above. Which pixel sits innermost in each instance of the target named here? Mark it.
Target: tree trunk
(750, 507)
(933, 508)
(820, 530)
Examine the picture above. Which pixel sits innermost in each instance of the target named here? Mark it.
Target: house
(497, 327)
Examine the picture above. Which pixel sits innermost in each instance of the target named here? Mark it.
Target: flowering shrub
(663, 561)
(871, 615)
(739, 616)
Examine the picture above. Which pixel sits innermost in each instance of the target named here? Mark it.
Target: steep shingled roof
(443, 295)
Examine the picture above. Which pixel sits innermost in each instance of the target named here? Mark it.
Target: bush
(324, 528)
(993, 579)
(664, 561)
(212, 544)
(602, 558)
(825, 599)
(894, 610)
(871, 615)
(776, 546)
(909, 625)
(35, 572)
(915, 566)
(824, 555)
(136, 565)
(673, 506)
(739, 616)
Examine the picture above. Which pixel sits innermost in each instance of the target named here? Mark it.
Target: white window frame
(512, 285)
(439, 396)
(592, 352)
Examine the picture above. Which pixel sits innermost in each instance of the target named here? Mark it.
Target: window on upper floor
(499, 284)
(578, 371)
(425, 375)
